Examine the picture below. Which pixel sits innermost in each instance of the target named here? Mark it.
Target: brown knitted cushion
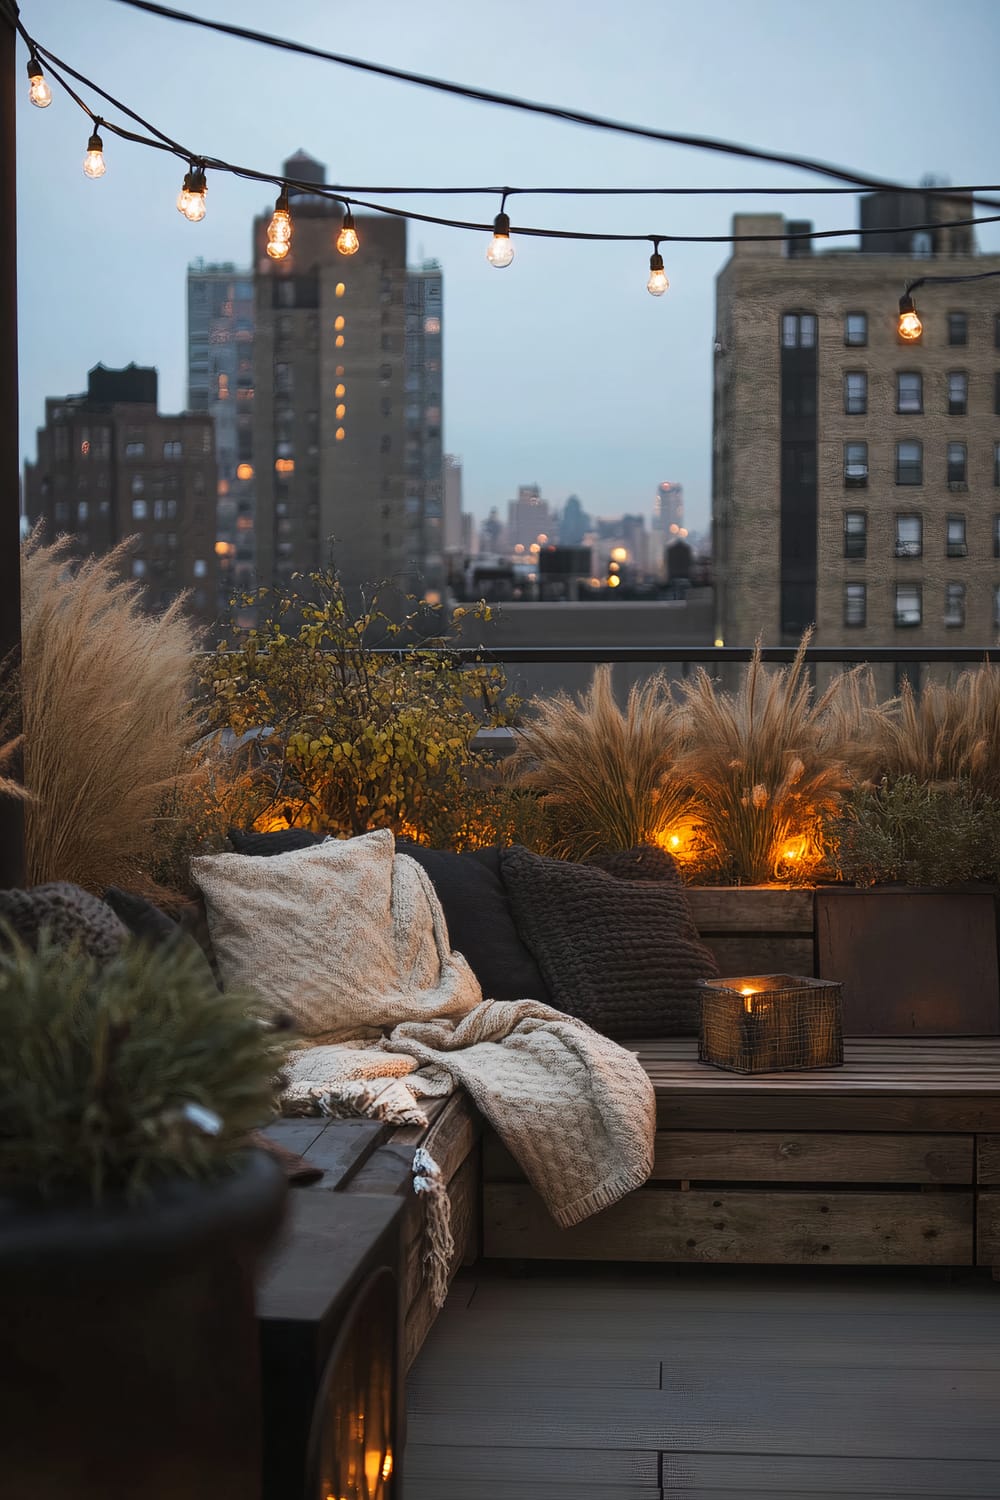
(645, 862)
(621, 954)
(68, 913)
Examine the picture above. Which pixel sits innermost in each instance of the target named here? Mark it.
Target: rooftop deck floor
(729, 1383)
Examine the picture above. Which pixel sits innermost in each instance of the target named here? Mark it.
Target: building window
(996, 331)
(958, 393)
(958, 328)
(856, 330)
(856, 465)
(958, 463)
(798, 330)
(432, 325)
(138, 484)
(135, 450)
(61, 510)
(909, 391)
(909, 605)
(855, 393)
(909, 536)
(138, 510)
(909, 463)
(339, 289)
(339, 341)
(82, 510)
(955, 544)
(996, 394)
(200, 567)
(138, 567)
(996, 463)
(855, 603)
(954, 605)
(855, 533)
(339, 435)
(996, 535)
(339, 323)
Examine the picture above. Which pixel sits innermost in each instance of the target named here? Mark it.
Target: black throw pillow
(621, 954)
(151, 925)
(281, 841)
(480, 924)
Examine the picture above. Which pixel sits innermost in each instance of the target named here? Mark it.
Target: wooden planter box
(756, 929)
(912, 962)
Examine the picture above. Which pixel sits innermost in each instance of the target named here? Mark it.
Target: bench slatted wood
(893, 1159)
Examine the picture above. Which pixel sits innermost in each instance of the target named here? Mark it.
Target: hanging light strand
(657, 283)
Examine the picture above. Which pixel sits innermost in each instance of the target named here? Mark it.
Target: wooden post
(11, 815)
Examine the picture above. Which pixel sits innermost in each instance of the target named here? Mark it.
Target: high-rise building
(453, 530)
(329, 429)
(111, 466)
(574, 523)
(855, 475)
(668, 509)
(220, 304)
(529, 517)
(424, 489)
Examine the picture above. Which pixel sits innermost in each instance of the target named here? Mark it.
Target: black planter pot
(128, 1343)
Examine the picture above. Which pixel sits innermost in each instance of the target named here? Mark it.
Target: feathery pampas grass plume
(106, 716)
(605, 777)
(949, 732)
(767, 767)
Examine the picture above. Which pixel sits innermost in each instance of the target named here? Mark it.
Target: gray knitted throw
(71, 915)
(623, 955)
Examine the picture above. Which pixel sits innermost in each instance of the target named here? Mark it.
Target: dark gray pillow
(68, 912)
(281, 841)
(621, 954)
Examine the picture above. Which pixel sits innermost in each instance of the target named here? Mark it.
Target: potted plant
(131, 1216)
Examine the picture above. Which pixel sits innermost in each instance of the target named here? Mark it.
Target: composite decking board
(528, 1487)
(545, 1372)
(728, 1474)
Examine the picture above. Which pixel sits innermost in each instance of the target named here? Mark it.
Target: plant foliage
(99, 1062)
(909, 833)
(946, 733)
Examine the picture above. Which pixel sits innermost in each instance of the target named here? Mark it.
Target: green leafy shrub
(357, 739)
(105, 1067)
(906, 832)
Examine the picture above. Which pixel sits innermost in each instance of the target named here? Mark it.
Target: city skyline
(560, 371)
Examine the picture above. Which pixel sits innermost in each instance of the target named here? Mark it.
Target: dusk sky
(560, 370)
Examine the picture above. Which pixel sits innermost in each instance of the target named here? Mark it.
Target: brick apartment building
(111, 466)
(856, 477)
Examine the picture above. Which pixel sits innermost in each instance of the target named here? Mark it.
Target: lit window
(340, 434)
(138, 567)
(954, 605)
(909, 536)
(284, 466)
(340, 390)
(85, 448)
(339, 289)
(855, 603)
(138, 510)
(955, 544)
(909, 604)
(339, 341)
(855, 533)
(958, 393)
(340, 370)
(244, 471)
(909, 391)
(341, 412)
(432, 325)
(339, 323)
(200, 567)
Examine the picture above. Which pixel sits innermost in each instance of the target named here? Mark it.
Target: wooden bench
(893, 1159)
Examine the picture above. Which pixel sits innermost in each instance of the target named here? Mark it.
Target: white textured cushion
(347, 937)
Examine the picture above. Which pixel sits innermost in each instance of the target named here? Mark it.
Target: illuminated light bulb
(38, 90)
(657, 283)
(347, 240)
(910, 326)
(500, 251)
(675, 841)
(191, 198)
(279, 231)
(718, 641)
(614, 581)
(93, 163)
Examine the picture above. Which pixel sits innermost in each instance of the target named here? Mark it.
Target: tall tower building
(328, 430)
(855, 475)
(220, 303)
(424, 483)
(668, 508)
(111, 466)
(453, 529)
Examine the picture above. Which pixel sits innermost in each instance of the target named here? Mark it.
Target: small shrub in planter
(130, 1219)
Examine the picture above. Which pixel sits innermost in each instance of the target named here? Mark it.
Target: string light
(910, 326)
(347, 240)
(38, 90)
(93, 163)
(191, 198)
(279, 231)
(500, 251)
(657, 283)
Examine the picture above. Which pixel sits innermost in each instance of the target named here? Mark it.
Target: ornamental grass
(105, 716)
(946, 733)
(605, 778)
(767, 766)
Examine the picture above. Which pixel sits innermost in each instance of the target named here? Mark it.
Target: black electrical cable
(510, 101)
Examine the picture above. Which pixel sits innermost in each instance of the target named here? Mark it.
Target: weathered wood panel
(811, 1156)
(742, 908)
(962, 1113)
(988, 1228)
(834, 1228)
(912, 962)
(761, 953)
(988, 1159)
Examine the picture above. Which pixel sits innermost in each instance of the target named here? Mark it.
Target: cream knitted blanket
(351, 939)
